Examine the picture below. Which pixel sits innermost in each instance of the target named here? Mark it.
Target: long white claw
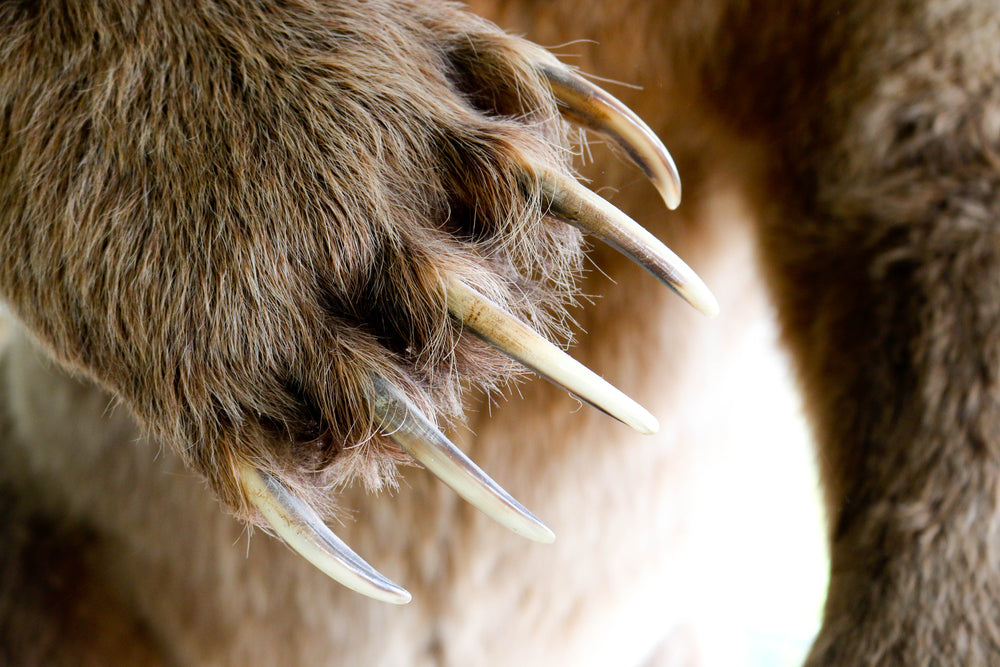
(571, 202)
(522, 343)
(301, 528)
(592, 107)
(409, 428)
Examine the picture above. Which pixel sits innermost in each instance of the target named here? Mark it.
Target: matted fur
(228, 215)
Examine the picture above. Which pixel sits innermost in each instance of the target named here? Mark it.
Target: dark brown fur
(230, 216)
(306, 261)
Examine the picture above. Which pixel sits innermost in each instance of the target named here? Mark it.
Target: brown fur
(230, 216)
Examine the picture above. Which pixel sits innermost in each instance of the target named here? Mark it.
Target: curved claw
(301, 528)
(411, 430)
(571, 202)
(587, 105)
(522, 343)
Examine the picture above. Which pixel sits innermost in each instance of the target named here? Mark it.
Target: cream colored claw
(301, 528)
(411, 430)
(571, 202)
(522, 343)
(589, 106)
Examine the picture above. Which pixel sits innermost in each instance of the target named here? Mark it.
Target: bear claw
(402, 422)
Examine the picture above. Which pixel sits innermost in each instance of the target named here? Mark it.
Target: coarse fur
(227, 216)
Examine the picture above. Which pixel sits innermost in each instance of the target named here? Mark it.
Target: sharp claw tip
(671, 194)
(530, 527)
(708, 304)
(414, 432)
(400, 597)
(650, 426)
(641, 420)
(545, 536)
(696, 293)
